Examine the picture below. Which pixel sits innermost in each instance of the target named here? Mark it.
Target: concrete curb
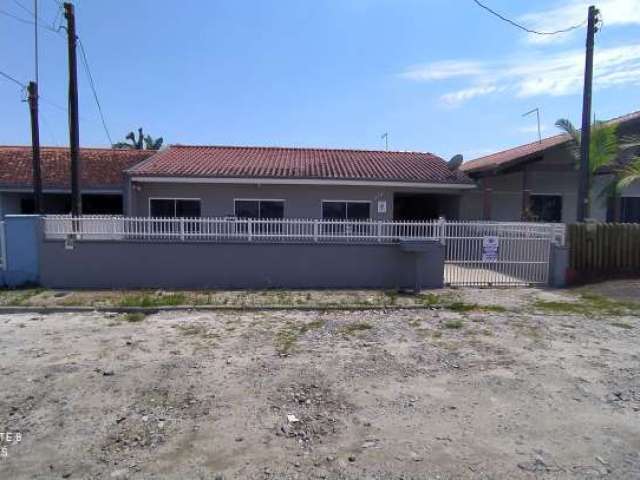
(208, 308)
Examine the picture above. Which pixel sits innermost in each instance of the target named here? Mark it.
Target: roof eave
(141, 178)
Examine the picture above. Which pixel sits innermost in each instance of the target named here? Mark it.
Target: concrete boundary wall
(195, 265)
(22, 239)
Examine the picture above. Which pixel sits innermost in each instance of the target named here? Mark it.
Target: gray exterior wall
(506, 203)
(599, 202)
(301, 201)
(122, 264)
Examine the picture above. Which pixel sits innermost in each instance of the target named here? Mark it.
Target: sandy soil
(377, 394)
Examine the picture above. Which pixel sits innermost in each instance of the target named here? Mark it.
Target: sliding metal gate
(479, 254)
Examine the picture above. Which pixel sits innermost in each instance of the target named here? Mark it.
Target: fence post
(249, 229)
(379, 231)
(3, 251)
(315, 230)
(182, 228)
(441, 229)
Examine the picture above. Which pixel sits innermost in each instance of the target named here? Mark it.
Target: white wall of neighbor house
(300, 201)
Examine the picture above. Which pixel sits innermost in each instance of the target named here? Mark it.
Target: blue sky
(439, 75)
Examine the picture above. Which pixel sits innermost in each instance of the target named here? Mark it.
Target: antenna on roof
(537, 112)
(385, 137)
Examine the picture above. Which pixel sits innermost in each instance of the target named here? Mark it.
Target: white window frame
(322, 202)
(175, 199)
(284, 204)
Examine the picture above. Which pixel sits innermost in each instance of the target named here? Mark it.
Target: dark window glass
(334, 210)
(102, 204)
(187, 208)
(546, 208)
(630, 209)
(27, 206)
(357, 211)
(247, 209)
(345, 210)
(259, 209)
(269, 209)
(162, 208)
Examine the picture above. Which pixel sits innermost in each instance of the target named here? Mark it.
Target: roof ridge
(55, 147)
(319, 149)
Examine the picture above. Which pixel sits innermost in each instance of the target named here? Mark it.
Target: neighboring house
(102, 180)
(272, 182)
(539, 181)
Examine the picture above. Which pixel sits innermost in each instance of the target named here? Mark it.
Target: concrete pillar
(22, 247)
(558, 266)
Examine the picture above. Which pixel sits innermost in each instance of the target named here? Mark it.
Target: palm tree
(604, 150)
(629, 174)
(604, 147)
(141, 142)
(151, 143)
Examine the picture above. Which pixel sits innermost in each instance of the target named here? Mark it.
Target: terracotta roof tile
(298, 163)
(530, 150)
(507, 157)
(100, 168)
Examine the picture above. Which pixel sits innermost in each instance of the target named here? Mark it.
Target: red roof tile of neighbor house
(530, 150)
(298, 163)
(100, 168)
(513, 155)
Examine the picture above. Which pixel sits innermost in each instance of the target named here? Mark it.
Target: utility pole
(74, 134)
(32, 90)
(585, 136)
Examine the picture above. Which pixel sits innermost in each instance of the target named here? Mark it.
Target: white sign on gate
(490, 248)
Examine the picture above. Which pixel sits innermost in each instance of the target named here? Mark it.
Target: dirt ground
(535, 384)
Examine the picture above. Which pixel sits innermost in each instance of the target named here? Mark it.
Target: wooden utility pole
(74, 133)
(32, 90)
(585, 136)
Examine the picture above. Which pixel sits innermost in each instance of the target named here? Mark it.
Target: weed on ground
(590, 305)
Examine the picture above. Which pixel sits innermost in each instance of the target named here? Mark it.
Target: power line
(27, 22)
(9, 77)
(85, 62)
(522, 27)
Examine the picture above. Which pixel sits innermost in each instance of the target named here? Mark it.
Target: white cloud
(574, 12)
(461, 96)
(555, 75)
(444, 70)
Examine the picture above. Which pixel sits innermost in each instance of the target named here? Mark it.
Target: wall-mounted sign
(382, 206)
(490, 249)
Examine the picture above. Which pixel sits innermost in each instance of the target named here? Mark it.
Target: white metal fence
(476, 253)
(241, 229)
(499, 253)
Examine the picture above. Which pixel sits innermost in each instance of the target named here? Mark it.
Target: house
(102, 179)
(274, 182)
(539, 181)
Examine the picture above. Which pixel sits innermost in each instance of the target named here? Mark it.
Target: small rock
(122, 473)
(239, 439)
(352, 458)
